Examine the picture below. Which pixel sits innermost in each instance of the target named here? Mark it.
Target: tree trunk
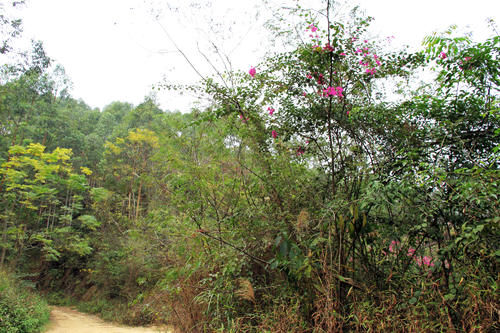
(138, 201)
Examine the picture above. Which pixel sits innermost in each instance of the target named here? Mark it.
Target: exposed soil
(66, 320)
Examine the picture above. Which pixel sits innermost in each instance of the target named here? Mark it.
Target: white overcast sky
(115, 49)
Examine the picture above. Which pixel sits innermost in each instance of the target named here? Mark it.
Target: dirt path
(66, 320)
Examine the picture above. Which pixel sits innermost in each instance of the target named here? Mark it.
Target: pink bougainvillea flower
(311, 35)
(274, 134)
(375, 56)
(313, 28)
(371, 71)
(442, 55)
(354, 39)
(304, 94)
(418, 260)
(309, 76)
(300, 151)
(467, 58)
(320, 78)
(359, 51)
(328, 47)
(252, 71)
(342, 54)
(244, 120)
(366, 41)
(378, 62)
(411, 252)
(427, 261)
(393, 246)
(333, 91)
(271, 110)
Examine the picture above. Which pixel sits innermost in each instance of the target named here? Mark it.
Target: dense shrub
(21, 310)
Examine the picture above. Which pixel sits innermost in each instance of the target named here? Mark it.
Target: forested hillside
(330, 187)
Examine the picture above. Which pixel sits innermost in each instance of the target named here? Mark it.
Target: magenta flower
(274, 134)
(427, 261)
(309, 76)
(328, 47)
(442, 55)
(244, 120)
(393, 246)
(371, 71)
(300, 151)
(320, 79)
(313, 28)
(342, 54)
(271, 110)
(252, 72)
(411, 252)
(467, 58)
(418, 260)
(333, 91)
(304, 94)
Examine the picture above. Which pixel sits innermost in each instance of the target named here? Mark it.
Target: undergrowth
(21, 309)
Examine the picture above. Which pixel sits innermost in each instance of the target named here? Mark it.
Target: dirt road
(66, 320)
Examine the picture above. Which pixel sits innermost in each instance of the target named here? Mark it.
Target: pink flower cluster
(313, 28)
(333, 91)
(442, 55)
(371, 71)
(271, 110)
(328, 48)
(252, 71)
(394, 246)
(243, 119)
(366, 61)
(274, 134)
(425, 260)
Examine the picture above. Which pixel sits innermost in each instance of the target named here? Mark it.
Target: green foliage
(301, 199)
(21, 310)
